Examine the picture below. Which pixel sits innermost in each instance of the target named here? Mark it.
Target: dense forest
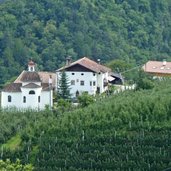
(47, 31)
(128, 131)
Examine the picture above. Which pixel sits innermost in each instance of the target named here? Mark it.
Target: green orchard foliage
(125, 131)
(85, 99)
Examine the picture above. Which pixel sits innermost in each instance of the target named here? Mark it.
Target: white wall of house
(100, 81)
(91, 82)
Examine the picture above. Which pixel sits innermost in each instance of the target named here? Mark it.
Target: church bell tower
(31, 66)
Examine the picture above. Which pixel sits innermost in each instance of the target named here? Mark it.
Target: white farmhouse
(85, 75)
(31, 90)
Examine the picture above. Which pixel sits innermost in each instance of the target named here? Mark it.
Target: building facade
(31, 90)
(85, 75)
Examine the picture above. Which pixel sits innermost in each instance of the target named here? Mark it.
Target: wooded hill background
(47, 31)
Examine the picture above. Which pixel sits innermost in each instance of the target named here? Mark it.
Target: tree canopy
(47, 31)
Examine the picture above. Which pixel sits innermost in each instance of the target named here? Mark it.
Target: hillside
(48, 31)
(127, 131)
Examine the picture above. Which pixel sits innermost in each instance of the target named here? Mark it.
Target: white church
(31, 90)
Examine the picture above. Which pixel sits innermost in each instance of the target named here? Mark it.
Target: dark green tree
(144, 81)
(85, 99)
(63, 87)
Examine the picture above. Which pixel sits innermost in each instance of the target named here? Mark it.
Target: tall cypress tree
(64, 87)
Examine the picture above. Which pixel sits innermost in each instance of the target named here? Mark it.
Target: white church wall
(46, 99)
(15, 100)
(31, 99)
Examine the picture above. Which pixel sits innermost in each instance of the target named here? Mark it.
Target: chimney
(98, 60)
(50, 80)
(164, 62)
(68, 60)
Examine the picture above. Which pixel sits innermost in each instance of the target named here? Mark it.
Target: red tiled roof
(13, 87)
(89, 64)
(157, 67)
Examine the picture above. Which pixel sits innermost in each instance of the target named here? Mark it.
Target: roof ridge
(89, 64)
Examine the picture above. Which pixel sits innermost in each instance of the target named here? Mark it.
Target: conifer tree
(64, 87)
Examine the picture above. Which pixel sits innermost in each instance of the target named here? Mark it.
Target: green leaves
(17, 166)
(85, 99)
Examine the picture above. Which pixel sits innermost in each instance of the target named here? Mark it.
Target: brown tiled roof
(157, 67)
(89, 64)
(31, 77)
(13, 87)
(31, 63)
(45, 87)
(16, 87)
(31, 85)
(42, 77)
(27, 76)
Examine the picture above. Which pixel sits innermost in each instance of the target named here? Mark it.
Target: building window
(105, 82)
(9, 98)
(72, 82)
(94, 74)
(24, 99)
(31, 92)
(82, 83)
(73, 73)
(38, 99)
(82, 73)
(90, 83)
(94, 83)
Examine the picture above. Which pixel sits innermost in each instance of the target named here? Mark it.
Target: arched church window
(39, 99)
(31, 92)
(9, 98)
(24, 99)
